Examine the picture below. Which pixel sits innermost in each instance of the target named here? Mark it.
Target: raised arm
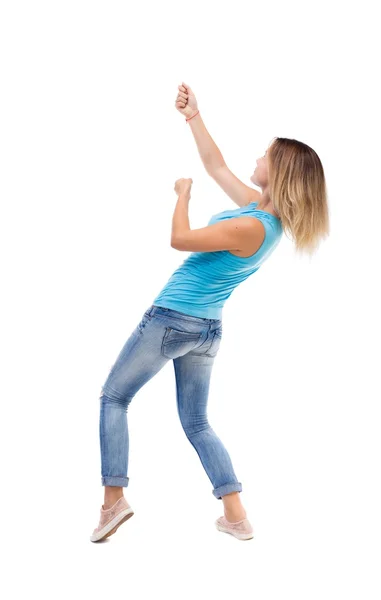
(235, 188)
(210, 154)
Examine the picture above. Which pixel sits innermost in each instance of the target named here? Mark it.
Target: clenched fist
(183, 186)
(186, 102)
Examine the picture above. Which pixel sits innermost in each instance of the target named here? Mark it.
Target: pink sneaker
(240, 529)
(111, 519)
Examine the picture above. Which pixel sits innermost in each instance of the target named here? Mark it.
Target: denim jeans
(192, 343)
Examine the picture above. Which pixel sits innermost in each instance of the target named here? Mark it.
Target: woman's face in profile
(260, 175)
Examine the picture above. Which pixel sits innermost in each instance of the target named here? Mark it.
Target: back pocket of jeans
(177, 343)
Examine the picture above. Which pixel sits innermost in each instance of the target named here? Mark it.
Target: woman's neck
(266, 205)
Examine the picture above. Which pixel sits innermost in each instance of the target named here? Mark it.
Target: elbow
(177, 244)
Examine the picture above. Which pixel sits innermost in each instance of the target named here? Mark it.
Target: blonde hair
(298, 192)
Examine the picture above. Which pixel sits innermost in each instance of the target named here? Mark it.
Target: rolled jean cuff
(117, 481)
(227, 489)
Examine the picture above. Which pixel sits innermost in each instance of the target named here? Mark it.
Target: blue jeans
(192, 343)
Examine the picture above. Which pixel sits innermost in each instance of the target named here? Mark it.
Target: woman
(184, 322)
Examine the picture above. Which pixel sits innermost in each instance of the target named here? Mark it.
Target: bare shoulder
(253, 235)
(252, 224)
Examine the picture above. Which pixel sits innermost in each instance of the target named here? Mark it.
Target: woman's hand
(186, 102)
(183, 186)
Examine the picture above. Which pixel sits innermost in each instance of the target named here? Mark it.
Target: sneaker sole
(239, 536)
(112, 526)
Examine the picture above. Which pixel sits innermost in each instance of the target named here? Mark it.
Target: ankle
(233, 509)
(109, 503)
(112, 495)
(233, 517)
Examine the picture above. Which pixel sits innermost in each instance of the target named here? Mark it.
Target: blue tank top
(201, 285)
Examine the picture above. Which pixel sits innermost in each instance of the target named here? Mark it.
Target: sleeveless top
(201, 285)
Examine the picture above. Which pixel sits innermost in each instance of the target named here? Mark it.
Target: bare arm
(216, 167)
(232, 234)
(208, 150)
(235, 188)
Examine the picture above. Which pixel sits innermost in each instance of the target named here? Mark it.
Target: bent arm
(238, 191)
(216, 167)
(232, 234)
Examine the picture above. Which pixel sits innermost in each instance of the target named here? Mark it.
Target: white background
(91, 145)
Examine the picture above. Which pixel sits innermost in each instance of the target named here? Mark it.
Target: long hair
(298, 192)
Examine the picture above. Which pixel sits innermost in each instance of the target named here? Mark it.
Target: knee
(115, 398)
(192, 426)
